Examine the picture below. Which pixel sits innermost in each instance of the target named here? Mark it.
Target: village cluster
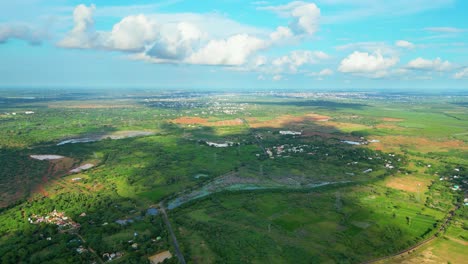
(65, 223)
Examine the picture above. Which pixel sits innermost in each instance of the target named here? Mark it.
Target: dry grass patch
(421, 144)
(408, 183)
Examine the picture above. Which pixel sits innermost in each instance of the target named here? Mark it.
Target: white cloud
(83, 35)
(277, 78)
(404, 44)
(205, 39)
(281, 34)
(177, 43)
(461, 74)
(305, 16)
(296, 59)
(370, 47)
(445, 29)
(370, 64)
(322, 73)
(231, 51)
(132, 33)
(429, 65)
(21, 31)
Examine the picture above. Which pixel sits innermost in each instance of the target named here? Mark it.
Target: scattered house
(456, 169)
(429, 165)
(81, 250)
(220, 145)
(112, 256)
(58, 218)
(288, 132)
(29, 112)
(83, 214)
(134, 245)
(374, 141)
(160, 257)
(456, 188)
(76, 179)
(49, 239)
(367, 171)
(388, 166)
(466, 201)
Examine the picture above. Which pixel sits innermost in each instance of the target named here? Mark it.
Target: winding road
(424, 242)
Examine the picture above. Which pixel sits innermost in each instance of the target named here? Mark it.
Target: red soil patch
(190, 120)
(203, 121)
(56, 169)
(391, 119)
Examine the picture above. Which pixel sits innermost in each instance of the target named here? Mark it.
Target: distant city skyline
(234, 44)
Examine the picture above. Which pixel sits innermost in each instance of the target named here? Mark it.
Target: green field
(263, 197)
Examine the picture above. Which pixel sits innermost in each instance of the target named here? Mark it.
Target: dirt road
(174, 239)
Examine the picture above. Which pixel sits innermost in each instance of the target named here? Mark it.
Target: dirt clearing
(408, 183)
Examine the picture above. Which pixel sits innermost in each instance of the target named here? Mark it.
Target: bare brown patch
(408, 183)
(393, 143)
(56, 169)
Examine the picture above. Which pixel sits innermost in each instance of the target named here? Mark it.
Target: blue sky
(234, 44)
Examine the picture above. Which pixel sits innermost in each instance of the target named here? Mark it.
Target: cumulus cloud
(23, 32)
(404, 44)
(298, 58)
(371, 64)
(231, 51)
(132, 33)
(188, 39)
(178, 43)
(461, 74)
(281, 33)
(82, 35)
(429, 65)
(305, 16)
